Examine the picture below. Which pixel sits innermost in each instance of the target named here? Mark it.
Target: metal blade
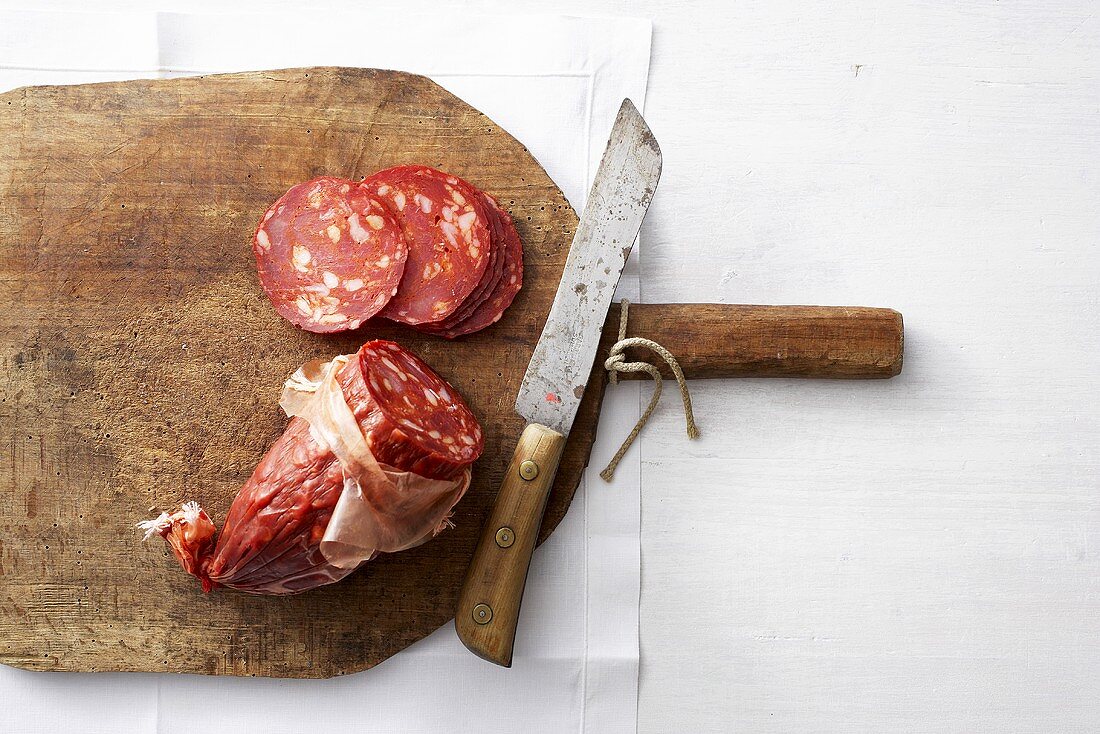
(625, 181)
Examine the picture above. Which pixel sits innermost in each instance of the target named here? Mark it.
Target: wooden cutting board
(142, 363)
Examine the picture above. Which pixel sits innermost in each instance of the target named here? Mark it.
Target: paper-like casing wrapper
(381, 509)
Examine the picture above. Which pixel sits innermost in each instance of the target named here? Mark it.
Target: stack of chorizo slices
(411, 244)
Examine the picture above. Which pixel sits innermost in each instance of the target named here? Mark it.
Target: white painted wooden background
(921, 554)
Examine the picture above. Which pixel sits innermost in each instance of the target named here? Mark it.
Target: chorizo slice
(329, 254)
(447, 231)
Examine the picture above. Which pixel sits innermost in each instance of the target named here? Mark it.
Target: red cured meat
(489, 311)
(329, 255)
(422, 426)
(272, 534)
(493, 273)
(271, 542)
(446, 227)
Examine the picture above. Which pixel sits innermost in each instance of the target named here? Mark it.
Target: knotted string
(616, 363)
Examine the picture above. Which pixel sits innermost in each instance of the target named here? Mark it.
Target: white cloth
(555, 83)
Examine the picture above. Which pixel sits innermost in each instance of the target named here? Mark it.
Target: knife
(552, 387)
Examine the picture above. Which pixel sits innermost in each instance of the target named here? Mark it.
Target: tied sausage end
(190, 534)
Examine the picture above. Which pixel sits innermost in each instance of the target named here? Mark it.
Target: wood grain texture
(492, 593)
(142, 363)
(724, 340)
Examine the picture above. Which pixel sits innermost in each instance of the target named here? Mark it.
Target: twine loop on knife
(616, 363)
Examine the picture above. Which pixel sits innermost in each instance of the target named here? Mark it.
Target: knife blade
(554, 383)
(553, 386)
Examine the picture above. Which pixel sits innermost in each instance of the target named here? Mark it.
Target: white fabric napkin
(555, 83)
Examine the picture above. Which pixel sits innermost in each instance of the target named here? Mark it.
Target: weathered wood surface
(142, 363)
(726, 340)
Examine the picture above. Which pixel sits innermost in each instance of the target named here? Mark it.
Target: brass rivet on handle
(505, 537)
(482, 613)
(528, 470)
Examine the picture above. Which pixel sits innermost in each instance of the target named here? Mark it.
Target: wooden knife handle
(724, 340)
(488, 605)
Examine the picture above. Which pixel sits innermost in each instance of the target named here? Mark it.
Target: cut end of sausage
(422, 408)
